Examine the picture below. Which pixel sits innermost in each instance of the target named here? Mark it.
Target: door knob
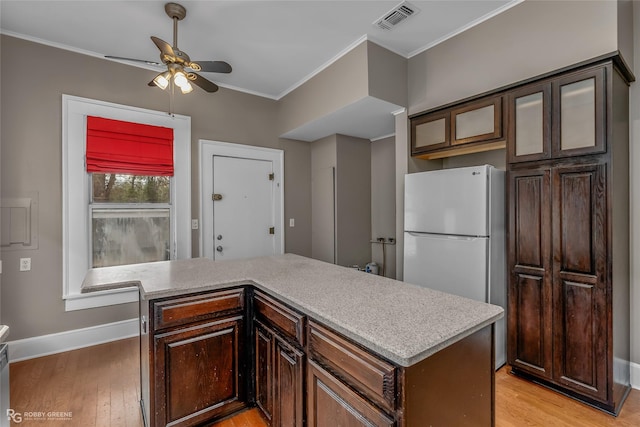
(219, 248)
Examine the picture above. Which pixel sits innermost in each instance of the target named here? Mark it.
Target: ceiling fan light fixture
(162, 80)
(180, 79)
(187, 88)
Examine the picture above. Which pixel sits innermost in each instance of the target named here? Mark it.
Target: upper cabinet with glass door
(477, 121)
(559, 117)
(461, 129)
(430, 132)
(579, 113)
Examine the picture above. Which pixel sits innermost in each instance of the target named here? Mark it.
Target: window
(130, 217)
(115, 216)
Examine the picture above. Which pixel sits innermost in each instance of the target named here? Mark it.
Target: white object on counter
(372, 268)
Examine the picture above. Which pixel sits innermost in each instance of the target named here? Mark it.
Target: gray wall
(366, 70)
(341, 220)
(527, 40)
(634, 161)
(340, 84)
(383, 202)
(387, 75)
(323, 163)
(353, 200)
(34, 77)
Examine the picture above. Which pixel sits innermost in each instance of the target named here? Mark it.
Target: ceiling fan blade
(211, 66)
(165, 48)
(202, 82)
(144, 61)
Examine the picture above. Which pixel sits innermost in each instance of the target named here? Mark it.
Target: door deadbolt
(219, 237)
(216, 196)
(219, 248)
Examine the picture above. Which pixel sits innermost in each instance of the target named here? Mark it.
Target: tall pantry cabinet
(568, 233)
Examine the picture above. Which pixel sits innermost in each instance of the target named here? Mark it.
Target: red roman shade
(114, 146)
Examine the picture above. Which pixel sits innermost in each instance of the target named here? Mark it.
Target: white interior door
(244, 212)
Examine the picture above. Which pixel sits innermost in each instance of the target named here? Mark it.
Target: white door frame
(208, 149)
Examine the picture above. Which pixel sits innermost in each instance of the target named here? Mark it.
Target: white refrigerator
(454, 238)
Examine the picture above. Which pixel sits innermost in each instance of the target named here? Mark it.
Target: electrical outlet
(194, 224)
(25, 264)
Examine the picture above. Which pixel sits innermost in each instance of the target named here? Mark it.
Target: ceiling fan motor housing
(175, 10)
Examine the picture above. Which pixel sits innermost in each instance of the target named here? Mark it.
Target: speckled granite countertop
(402, 322)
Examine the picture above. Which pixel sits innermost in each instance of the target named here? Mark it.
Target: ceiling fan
(181, 70)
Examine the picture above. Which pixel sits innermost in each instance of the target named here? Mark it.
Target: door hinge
(272, 230)
(272, 176)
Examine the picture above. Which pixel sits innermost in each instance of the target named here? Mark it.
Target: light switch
(292, 222)
(194, 224)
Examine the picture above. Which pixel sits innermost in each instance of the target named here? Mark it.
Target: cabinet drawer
(277, 315)
(372, 376)
(330, 402)
(180, 311)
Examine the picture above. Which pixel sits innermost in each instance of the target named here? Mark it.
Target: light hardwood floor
(100, 386)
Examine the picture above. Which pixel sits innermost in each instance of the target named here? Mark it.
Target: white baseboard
(45, 345)
(635, 375)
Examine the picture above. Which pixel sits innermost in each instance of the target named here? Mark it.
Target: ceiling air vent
(396, 16)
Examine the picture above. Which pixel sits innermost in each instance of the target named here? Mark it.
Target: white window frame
(76, 194)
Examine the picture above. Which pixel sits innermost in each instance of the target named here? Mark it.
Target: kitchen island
(305, 341)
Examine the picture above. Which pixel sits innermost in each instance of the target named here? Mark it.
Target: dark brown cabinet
(568, 247)
(530, 298)
(579, 213)
(279, 362)
(558, 117)
(208, 355)
(350, 386)
(469, 127)
(264, 370)
(279, 378)
(347, 385)
(197, 372)
(193, 357)
(288, 385)
(332, 403)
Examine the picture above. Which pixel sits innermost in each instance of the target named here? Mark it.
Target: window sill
(74, 302)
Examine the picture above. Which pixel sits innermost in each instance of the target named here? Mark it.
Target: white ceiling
(273, 46)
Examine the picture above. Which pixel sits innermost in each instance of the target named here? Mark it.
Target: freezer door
(452, 264)
(448, 201)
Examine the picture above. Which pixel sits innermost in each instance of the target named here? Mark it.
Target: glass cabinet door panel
(475, 122)
(529, 124)
(431, 133)
(578, 115)
(529, 127)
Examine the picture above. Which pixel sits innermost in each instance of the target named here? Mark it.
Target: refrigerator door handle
(445, 236)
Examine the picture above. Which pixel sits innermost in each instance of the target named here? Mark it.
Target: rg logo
(16, 417)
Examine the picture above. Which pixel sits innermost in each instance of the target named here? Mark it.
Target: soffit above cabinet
(368, 118)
